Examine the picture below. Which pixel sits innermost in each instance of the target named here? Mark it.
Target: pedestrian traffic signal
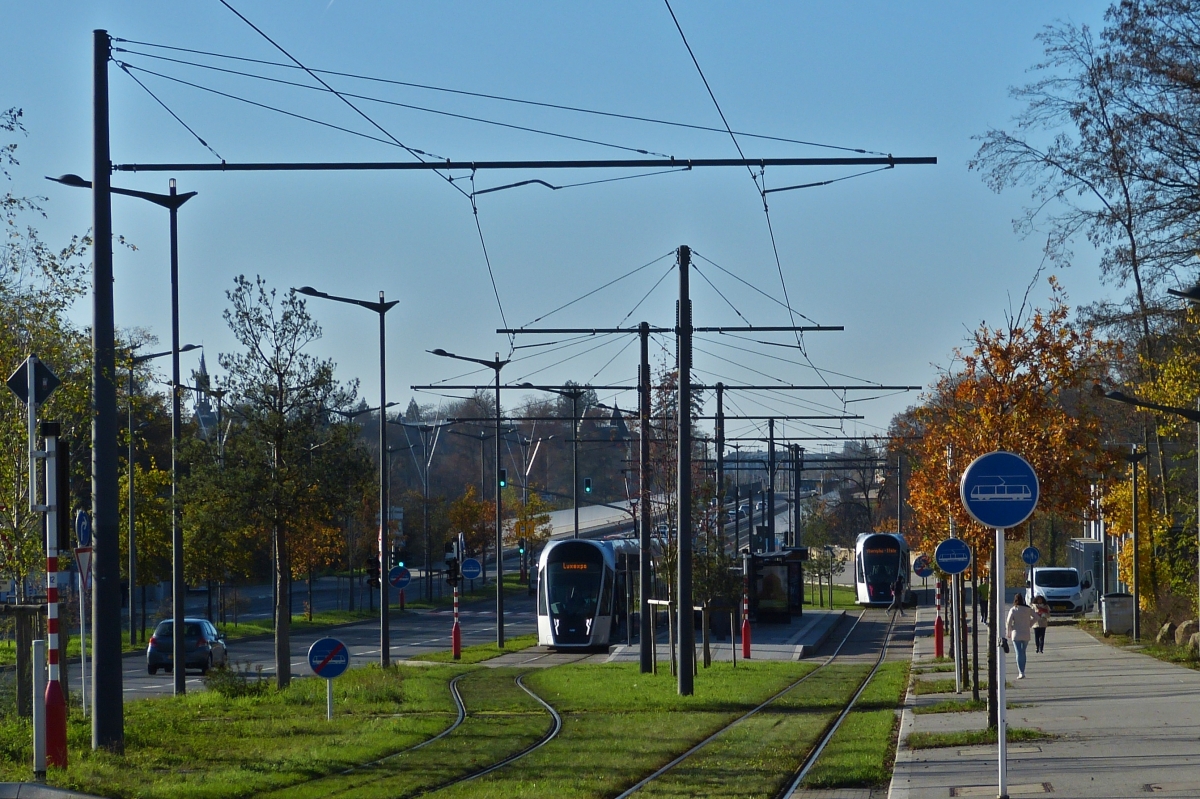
(587, 485)
(521, 546)
(503, 478)
(373, 573)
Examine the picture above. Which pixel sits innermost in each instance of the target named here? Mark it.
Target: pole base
(56, 725)
(456, 641)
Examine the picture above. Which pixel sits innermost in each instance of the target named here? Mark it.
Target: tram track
(790, 787)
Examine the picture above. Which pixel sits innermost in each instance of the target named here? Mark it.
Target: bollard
(939, 631)
(401, 599)
(745, 626)
(456, 631)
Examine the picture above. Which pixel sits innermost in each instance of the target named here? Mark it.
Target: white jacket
(1020, 623)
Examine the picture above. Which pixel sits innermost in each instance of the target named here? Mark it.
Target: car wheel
(152, 669)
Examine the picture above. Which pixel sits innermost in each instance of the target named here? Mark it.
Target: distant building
(206, 417)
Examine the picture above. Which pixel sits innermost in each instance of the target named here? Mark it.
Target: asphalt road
(412, 633)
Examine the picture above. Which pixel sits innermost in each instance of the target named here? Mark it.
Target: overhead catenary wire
(408, 106)
(125, 68)
(502, 98)
(615, 280)
(411, 151)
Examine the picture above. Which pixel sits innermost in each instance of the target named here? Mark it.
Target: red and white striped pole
(456, 631)
(745, 625)
(56, 705)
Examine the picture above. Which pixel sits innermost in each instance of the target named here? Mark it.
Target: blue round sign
(953, 556)
(1030, 555)
(470, 569)
(83, 528)
(921, 566)
(328, 658)
(999, 490)
(399, 577)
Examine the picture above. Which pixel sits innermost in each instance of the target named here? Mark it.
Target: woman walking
(1041, 621)
(1020, 623)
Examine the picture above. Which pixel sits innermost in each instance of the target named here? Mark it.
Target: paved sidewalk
(1126, 725)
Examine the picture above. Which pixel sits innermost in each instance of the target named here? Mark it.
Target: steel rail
(647, 780)
(815, 754)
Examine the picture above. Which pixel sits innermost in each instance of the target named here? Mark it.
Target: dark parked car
(203, 646)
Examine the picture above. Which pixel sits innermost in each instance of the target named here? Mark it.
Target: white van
(1063, 589)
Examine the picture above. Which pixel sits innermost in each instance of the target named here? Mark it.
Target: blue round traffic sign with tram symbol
(953, 556)
(328, 658)
(921, 566)
(399, 577)
(999, 490)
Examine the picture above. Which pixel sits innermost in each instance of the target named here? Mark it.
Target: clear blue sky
(908, 260)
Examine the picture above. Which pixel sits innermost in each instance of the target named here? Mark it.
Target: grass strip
(938, 740)
(925, 687)
(940, 669)
(206, 746)
(501, 720)
(620, 725)
(480, 652)
(861, 752)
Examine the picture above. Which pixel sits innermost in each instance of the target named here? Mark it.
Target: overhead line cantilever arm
(609, 330)
(471, 166)
(695, 385)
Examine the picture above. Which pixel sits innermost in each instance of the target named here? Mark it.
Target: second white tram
(582, 596)
(878, 559)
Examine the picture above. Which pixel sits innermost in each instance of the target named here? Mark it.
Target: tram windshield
(881, 561)
(574, 588)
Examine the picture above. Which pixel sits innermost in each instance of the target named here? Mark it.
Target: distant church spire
(206, 418)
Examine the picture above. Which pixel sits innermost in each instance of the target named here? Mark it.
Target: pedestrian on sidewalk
(897, 596)
(1041, 621)
(1017, 629)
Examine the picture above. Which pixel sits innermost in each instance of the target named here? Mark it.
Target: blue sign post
(328, 658)
(470, 569)
(1030, 555)
(953, 556)
(1000, 490)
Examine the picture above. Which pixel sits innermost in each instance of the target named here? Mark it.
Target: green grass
(924, 687)
(844, 597)
(1169, 653)
(512, 586)
(951, 706)
(480, 652)
(939, 669)
(620, 725)
(935, 740)
(205, 746)
(501, 720)
(861, 752)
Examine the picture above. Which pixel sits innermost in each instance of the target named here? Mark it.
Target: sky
(909, 260)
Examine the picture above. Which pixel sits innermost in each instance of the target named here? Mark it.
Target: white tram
(583, 597)
(878, 558)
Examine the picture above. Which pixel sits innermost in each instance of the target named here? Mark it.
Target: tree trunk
(283, 617)
(310, 599)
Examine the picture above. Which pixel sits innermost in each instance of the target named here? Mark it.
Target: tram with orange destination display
(878, 559)
(583, 592)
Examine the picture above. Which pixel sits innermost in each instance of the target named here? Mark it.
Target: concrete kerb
(820, 632)
(36, 790)
(907, 722)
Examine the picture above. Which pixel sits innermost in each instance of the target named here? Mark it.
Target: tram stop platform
(1123, 725)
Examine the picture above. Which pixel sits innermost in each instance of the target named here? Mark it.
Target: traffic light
(373, 573)
(521, 546)
(587, 485)
(452, 562)
(503, 478)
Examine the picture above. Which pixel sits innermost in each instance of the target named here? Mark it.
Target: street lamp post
(134, 361)
(172, 202)
(496, 364)
(1187, 413)
(381, 307)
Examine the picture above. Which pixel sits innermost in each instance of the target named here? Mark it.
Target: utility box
(1117, 612)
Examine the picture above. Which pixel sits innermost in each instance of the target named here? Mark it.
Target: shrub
(237, 681)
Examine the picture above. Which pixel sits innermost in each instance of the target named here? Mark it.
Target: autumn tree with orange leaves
(1025, 387)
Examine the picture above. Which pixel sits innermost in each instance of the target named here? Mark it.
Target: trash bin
(1117, 611)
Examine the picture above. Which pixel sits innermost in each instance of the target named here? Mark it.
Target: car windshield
(1065, 578)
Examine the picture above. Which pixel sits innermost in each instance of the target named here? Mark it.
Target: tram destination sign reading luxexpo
(999, 490)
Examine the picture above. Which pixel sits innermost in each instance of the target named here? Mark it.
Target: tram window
(574, 588)
(861, 578)
(543, 606)
(606, 594)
